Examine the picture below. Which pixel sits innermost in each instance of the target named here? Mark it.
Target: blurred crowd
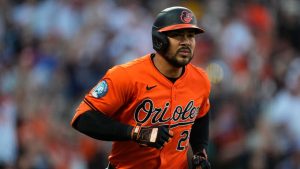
(53, 51)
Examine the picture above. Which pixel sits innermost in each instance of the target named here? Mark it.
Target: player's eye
(173, 34)
(191, 35)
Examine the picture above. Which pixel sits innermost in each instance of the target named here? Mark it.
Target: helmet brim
(181, 26)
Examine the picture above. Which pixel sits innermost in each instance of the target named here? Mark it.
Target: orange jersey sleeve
(111, 92)
(205, 106)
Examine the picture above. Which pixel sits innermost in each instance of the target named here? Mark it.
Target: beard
(176, 61)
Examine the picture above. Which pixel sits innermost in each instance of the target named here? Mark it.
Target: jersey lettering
(147, 111)
(184, 136)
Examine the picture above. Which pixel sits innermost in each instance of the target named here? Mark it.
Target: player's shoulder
(133, 65)
(136, 64)
(198, 74)
(198, 71)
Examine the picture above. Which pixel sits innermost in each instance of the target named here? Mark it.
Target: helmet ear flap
(160, 41)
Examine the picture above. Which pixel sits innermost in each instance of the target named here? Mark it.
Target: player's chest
(157, 103)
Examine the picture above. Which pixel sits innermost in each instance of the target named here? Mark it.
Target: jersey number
(184, 136)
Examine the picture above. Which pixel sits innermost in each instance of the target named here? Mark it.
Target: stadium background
(53, 51)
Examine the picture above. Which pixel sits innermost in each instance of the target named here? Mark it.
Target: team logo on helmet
(186, 16)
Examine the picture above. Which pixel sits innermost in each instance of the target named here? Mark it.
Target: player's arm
(199, 134)
(200, 129)
(99, 126)
(199, 142)
(94, 115)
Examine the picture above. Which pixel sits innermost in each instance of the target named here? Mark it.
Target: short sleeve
(205, 106)
(111, 92)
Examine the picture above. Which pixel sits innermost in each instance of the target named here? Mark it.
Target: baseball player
(154, 108)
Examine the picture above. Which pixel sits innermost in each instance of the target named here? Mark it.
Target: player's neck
(166, 68)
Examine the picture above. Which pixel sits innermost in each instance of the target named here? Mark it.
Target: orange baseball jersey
(137, 93)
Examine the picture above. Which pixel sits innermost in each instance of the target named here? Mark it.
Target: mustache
(184, 49)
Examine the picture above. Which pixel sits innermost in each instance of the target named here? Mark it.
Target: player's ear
(160, 41)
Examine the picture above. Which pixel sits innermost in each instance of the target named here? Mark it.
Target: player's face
(181, 48)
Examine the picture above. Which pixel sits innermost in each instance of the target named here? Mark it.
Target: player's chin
(183, 60)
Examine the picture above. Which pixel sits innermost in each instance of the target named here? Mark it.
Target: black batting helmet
(172, 18)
